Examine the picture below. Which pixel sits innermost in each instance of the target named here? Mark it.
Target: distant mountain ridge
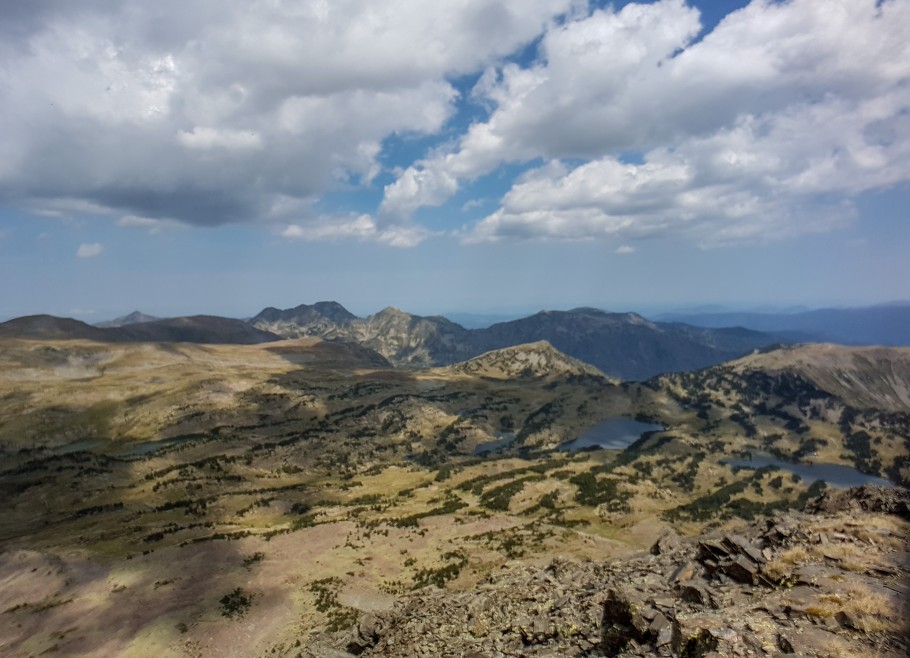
(885, 324)
(624, 345)
(191, 329)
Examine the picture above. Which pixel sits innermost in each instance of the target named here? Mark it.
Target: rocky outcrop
(531, 361)
(888, 500)
(807, 584)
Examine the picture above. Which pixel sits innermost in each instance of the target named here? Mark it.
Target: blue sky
(477, 155)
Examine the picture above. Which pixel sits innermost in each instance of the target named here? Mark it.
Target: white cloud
(209, 138)
(205, 113)
(209, 112)
(624, 249)
(89, 250)
(763, 179)
(359, 227)
(403, 236)
(418, 187)
(153, 226)
(766, 128)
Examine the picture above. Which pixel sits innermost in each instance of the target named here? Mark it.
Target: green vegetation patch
(594, 491)
(326, 593)
(450, 505)
(498, 498)
(441, 575)
(723, 503)
(235, 603)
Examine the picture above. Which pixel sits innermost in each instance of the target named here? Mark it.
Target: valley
(247, 499)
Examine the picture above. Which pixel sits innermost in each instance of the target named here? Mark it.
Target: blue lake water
(503, 439)
(612, 434)
(835, 475)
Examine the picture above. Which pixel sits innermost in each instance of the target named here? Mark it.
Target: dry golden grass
(873, 610)
(885, 532)
(781, 566)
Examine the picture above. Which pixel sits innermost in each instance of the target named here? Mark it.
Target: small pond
(502, 440)
(612, 434)
(835, 475)
(82, 445)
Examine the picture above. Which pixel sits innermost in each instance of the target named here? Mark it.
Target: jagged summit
(319, 319)
(531, 360)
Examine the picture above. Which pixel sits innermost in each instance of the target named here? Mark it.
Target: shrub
(236, 603)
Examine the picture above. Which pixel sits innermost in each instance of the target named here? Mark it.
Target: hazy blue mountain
(886, 324)
(136, 317)
(481, 320)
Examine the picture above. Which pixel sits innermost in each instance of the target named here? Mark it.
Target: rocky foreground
(831, 580)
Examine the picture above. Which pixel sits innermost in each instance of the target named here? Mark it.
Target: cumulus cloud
(636, 122)
(767, 127)
(208, 112)
(624, 249)
(150, 224)
(359, 227)
(209, 138)
(89, 250)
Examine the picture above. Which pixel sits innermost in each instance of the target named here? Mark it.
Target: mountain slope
(625, 345)
(196, 329)
(827, 404)
(868, 377)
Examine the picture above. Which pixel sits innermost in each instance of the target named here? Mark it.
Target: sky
(220, 156)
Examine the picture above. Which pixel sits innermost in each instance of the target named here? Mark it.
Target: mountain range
(623, 345)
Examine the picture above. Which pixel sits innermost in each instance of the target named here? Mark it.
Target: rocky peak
(334, 311)
(531, 360)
